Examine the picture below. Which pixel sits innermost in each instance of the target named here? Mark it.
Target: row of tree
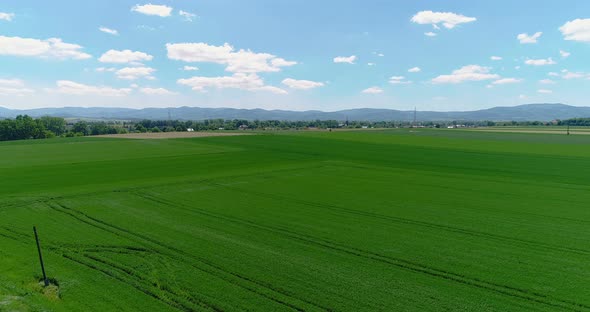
(25, 127)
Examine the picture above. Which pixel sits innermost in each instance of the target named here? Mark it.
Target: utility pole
(568, 129)
(414, 125)
(45, 281)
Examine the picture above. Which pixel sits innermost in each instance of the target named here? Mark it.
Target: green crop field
(392, 220)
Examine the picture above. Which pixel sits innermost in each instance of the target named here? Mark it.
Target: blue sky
(299, 55)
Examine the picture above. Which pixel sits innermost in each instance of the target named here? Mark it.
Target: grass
(393, 220)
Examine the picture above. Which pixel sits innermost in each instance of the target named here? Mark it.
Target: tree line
(25, 127)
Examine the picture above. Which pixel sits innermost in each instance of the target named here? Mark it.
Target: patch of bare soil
(169, 135)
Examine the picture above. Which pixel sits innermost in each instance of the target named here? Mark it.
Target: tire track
(124, 278)
(397, 262)
(538, 245)
(174, 253)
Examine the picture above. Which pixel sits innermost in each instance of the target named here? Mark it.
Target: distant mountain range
(528, 112)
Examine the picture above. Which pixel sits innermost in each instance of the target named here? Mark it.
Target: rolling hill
(528, 112)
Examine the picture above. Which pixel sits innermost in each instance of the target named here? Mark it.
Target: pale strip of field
(169, 135)
(555, 131)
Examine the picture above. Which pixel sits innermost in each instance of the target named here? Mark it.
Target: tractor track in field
(89, 221)
(538, 245)
(175, 253)
(507, 290)
(139, 285)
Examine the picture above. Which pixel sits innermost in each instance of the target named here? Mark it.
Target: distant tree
(56, 125)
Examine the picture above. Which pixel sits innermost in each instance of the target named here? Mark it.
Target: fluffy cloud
(132, 73)
(546, 81)
(156, 91)
(564, 54)
(105, 69)
(153, 9)
(576, 30)
(398, 80)
(243, 81)
(496, 58)
(545, 91)
(302, 84)
(467, 73)
(372, 90)
(573, 75)
(414, 70)
(189, 68)
(108, 31)
(540, 62)
(74, 88)
(506, 81)
(187, 15)
(49, 48)
(430, 34)
(241, 61)
(449, 20)
(371, 64)
(525, 38)
(6, 16)
(14, 87)
(345, 59)
(124, 56)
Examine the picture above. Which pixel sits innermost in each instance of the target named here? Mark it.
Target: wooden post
(40, 258)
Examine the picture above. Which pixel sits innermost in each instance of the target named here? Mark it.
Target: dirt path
(169, 135)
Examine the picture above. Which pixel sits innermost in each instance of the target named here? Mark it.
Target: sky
(294, 55)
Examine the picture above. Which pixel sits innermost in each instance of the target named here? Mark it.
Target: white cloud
(430, 34)
(496, 58)
(153, 9)
(124, 56)
(105, 69)
(540, 62)
(345, 59)
(576, 30)
(14, 87)
(156, 91)
(243, 81)
(109, 31)
(49, 48)
(573, 75)
(525, 38)
(414, 70)
(371, 64)
(517, 67)
(6, 16)
(372, 90)
(506, 81)
(546, 81)
(545, 91)
(132, 73)
(554, 74)
(241, 61)
(398, 80)
(145, 27)
(74, 88)
(187, 15)
(189, 68)
(449, 20)
(467, 73)
(280, 62)
(301, 84)
(522, 96)
(564, 54)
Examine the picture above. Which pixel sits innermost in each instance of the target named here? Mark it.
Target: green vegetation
(391, 220)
